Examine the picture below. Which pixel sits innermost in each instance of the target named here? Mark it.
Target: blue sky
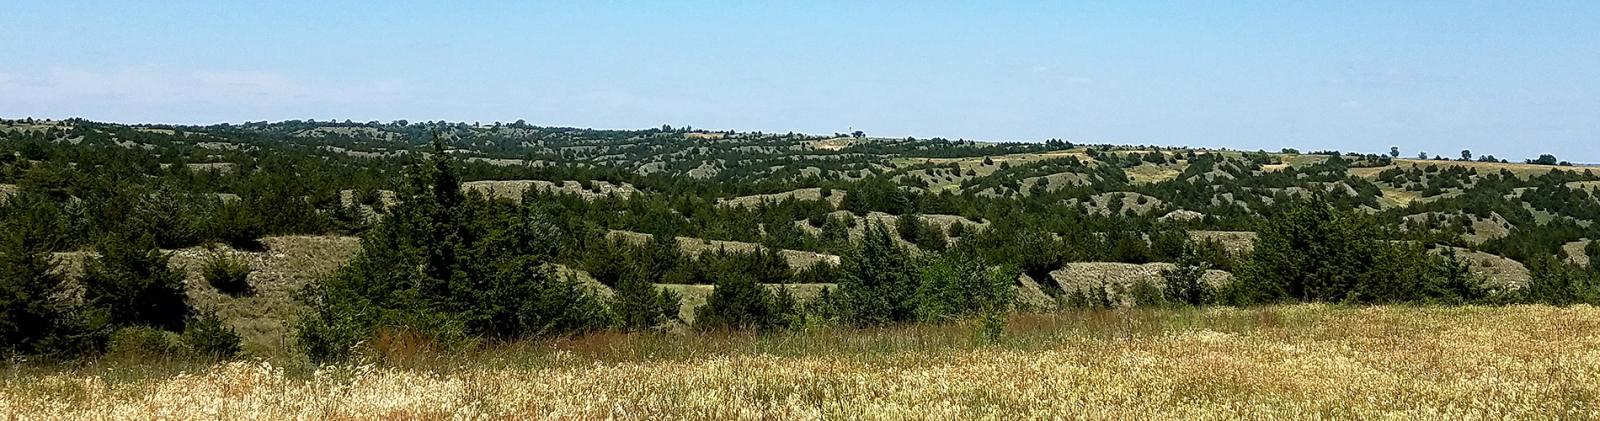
(1506, 78)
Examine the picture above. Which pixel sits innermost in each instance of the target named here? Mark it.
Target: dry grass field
(1300, 362)
(1519, 169)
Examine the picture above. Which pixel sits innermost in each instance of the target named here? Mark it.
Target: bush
(880, 281)
(228, 275)
(451, 268)
(133, 284)
(140, 343)
(234, 223)
(642, 306)
(207, 336)
(991, 325)
(1559, 283)
(737, 302)
(1185, 283)
(957, 285)
(1146, 294)
(34, 310)
(957, 230)
(329, 333)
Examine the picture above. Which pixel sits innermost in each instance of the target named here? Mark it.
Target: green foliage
(738, 302)
(957, 285)
(1560, 283)
(786, 309)
(1185, 282)
(168, 218)
(957, 230)
(1314, 253)
(229, 275)
(232, 222)
(642, 306)
(879, 281)
(207, 336)
(1146, 294)
(36, 316)
(133, 284)
(143, 343)
(991, 326)
(917, 230)
(451, 267)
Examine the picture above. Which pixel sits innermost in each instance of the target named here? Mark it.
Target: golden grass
(976, 163)
(1150, 173)
(1518, 169)
(1284, 362)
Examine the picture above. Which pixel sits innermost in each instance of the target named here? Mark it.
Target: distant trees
(1466, 155)
(1394, 151)
(1544, 159)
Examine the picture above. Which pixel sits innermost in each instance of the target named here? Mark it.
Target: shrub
(957, 230)
(228, 275)
(140, 343)
(329, 333)
(958, 284)
(451, 268)
(991, 325)
(786, 310)
(1146, 294)
(207, 336)
(33, 304)
(910, 228)
(1559, 283)
(820, 272)
(642, 306)
(1185, 282)
(133, 284)
(234, 223)
(737, 302)
(880, 282)
(816, 220)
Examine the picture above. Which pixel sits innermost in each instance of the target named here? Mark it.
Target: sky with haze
(1513, 79)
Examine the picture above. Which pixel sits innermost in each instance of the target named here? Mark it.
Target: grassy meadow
(1301, 361)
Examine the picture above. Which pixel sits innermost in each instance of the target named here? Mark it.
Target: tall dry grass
(1306, 361)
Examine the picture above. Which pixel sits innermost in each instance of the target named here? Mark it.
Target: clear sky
(1509, 78)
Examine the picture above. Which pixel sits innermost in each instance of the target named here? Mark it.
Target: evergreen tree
(642, 306)
(738, 302)
(450, 266)
(959, 284)
(34, 309)
(880, 281)
(133, 284)
(1185, 282)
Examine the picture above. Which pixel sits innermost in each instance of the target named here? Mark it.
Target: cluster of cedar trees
(459, 267)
